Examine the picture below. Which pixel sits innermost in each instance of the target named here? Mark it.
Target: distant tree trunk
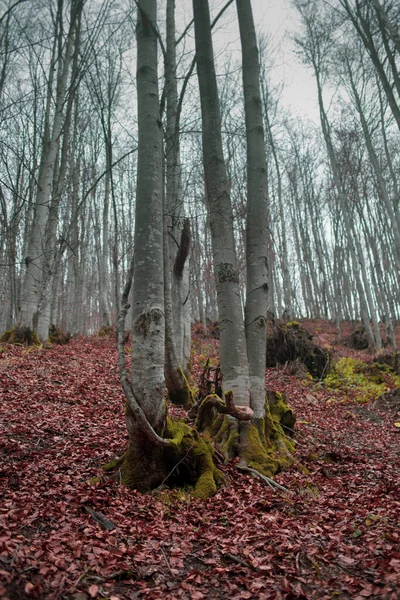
(36, 257)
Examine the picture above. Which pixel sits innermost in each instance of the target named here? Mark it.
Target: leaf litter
(62, 417)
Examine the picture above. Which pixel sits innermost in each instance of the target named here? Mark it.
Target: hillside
(333, 535)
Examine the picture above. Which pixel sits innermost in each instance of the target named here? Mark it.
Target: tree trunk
(257, 212)
(36, 252)
(233, 355)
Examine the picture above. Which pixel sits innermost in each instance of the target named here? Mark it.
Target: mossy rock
(22, 336)
(290, 342)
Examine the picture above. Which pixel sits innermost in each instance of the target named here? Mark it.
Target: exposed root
(213, 404)
(270, 482)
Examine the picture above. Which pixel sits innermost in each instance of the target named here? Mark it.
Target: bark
(36, 257)
(148, 290)
(257, 211)
(234, 365)
(178, 225)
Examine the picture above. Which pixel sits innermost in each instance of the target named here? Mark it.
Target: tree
(42, 229)
(156, 445)
(241, 384)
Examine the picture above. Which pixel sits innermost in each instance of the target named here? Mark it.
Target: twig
(101, 519)
(165, 557)
(116, 575)
(80, 578)
(268, 480)
(237, 560)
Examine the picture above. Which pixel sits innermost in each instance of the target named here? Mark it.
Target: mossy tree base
(187, 462)
(21, 335)
(262, 444)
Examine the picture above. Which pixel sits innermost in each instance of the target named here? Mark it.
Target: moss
(195, 455)
(58, 336)
(293, 324)
(106, 331)
(360, 381)
(255, 451)
(265, 446)
(114, 464)
(280, 411)
(129, 471)
(184, 396)
(21, 335)
(205, 486)
(94, 480)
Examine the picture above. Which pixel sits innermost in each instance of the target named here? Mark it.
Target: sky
(280, 21)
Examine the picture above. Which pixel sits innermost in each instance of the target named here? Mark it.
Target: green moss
(94, 480)
(255, 451)
(21, 336)
(129, 470)
(205, 486)
(195, 456)
(184, 396)
(293, 324)
(106, 331)
(114, 464)
(360, 381)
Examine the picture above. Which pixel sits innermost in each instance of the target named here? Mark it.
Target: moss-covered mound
(392, 359)
(262, 444)
(289, 342)
(106, 331)
(362, 381)
(358, 339)
(58, 336)
(21, 335)
(187, 462)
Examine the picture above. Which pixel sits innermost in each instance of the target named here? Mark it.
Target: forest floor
(335, 535)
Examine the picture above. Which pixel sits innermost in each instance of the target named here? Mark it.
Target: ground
(335, 535)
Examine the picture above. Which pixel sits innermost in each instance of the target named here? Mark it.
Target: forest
(199, 302)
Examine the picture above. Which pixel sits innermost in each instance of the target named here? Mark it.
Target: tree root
(270, 482)
(213, 403)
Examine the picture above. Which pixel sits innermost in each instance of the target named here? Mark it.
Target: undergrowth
(360, 381)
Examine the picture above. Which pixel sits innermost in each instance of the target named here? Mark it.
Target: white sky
(280, 21)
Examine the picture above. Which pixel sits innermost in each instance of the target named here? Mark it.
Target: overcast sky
(280, 20)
